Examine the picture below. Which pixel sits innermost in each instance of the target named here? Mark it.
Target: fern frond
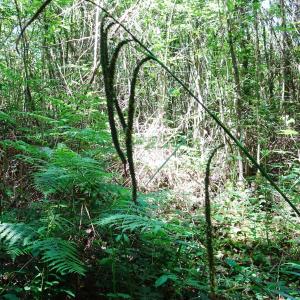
(6, 119)
(17, 250)
(16, 238)
(86, 135)
(132, 222)
(34, 152)
(66, 170)
(38, 115)
(53, 179)
(12, 234)
(59, 255)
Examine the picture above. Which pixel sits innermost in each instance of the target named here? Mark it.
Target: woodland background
(68, 225)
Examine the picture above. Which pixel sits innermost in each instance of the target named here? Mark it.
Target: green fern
(6, 119)
(16, 238)
(12, 234)
(58, 254)
(133, 223)
(86, 135)
(145, 219)
(54, 179)
(35, 153)
(38, 116)
(68, 170)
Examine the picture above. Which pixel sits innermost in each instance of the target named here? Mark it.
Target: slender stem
(209, 227)
(129, 129)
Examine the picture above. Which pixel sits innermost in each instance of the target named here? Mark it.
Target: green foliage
(158, 238)
(164, 278)
(67, 171)
(12, 234)
(68, 228)
(27, 152)
(57, 254)
(132, 223)
(6, 119)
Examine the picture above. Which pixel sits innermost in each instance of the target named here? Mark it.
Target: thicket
(77, 111)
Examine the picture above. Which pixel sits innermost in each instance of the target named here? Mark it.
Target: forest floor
(70, 230)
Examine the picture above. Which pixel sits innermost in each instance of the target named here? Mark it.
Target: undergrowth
(70, 230)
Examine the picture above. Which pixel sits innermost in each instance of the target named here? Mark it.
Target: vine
(109, 70)
(128, 138)
(108, 81)
(209, 227)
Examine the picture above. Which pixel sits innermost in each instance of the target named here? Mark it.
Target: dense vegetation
(115, 183)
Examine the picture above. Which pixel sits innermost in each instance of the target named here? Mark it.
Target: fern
(37, 116)
(131, 218)
(16, 238)
(12, 234)
(68, 170)
(54, 179)
(87, 135)
(58, 254)
(6, 119)
(132, 223)
(34, 152)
